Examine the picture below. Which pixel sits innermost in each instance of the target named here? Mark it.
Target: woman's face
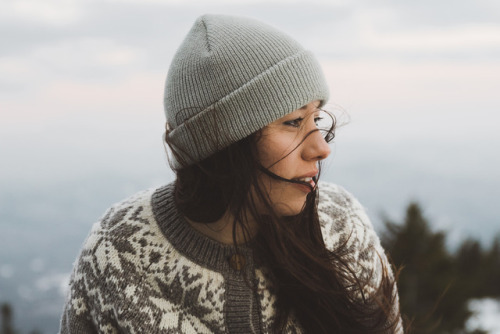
(279, 150)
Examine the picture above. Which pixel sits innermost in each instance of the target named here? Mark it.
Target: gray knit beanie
(230, 77)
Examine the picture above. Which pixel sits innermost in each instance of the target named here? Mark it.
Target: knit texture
(143, 269)
(230, 77)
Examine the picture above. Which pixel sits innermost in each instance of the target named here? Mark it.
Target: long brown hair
(315, 283)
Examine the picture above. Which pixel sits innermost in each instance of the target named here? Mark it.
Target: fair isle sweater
(143, 269)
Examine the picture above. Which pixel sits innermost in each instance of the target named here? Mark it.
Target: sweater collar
(188, 241)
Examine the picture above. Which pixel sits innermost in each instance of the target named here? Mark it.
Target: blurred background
(414, 84)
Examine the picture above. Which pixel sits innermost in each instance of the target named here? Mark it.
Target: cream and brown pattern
(144, 270)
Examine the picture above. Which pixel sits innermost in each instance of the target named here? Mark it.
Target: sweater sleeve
(78, 314)
(345, 225)
(85, 310)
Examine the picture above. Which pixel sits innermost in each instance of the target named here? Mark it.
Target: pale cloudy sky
(81, 86)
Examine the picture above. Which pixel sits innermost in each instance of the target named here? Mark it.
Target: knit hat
(230, 77)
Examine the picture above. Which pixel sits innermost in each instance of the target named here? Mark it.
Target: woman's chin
(291, 208)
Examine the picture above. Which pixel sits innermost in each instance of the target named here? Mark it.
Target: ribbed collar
(188, 241)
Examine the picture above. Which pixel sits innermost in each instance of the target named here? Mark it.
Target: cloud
(435, 40)
(88, 38)
(51, 12)
(429, 13)
(448, 101)
(113, 55)
(6, 271)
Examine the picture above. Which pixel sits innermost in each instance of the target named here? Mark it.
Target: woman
(244, 241)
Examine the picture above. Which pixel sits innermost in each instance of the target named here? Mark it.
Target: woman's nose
(316, 147)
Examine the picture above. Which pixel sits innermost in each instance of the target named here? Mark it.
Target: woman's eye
(317, 120)
(294, 122)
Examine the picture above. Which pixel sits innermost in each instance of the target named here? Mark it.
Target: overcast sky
(81, 82)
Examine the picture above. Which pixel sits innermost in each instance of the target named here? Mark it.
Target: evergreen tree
(492, 264)
(7, 320)
(428, 288)
(470, 267)
(7, 323)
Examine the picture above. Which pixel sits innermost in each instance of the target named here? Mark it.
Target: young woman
(244, 240)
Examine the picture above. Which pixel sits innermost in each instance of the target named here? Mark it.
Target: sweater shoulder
(340, 211)
(127, 210)
(125, 236)
(130, 278)
(347, 230)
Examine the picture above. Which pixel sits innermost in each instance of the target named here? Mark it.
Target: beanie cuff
(287, 86)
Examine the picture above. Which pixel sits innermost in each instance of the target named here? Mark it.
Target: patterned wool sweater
(143, 269)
